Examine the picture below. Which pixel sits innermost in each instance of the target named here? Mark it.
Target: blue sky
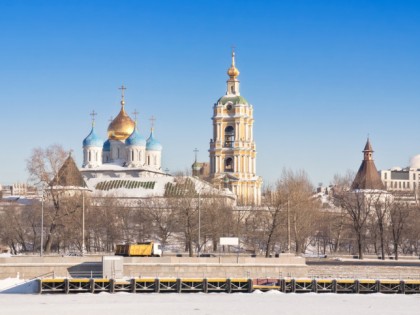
(321, 76)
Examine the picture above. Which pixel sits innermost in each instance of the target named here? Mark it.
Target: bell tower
(232, 148)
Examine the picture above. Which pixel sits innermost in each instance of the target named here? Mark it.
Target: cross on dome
(122, 88)
(195, 151)
(135, 113)
(93, 114)
(152, 122)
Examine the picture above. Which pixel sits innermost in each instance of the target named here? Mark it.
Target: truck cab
(157, 249)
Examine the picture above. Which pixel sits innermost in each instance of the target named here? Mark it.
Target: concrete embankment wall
(214, 267)
(209, 267)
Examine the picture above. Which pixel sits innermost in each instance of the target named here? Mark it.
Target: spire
(367, 177)
(233, 72)
(233, 82)
(367, 151)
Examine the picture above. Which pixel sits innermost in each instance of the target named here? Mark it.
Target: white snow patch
(16, 285)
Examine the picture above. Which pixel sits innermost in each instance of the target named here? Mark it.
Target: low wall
(214, 267)
(27, 267)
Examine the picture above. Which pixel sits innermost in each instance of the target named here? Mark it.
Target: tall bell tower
(232, 148)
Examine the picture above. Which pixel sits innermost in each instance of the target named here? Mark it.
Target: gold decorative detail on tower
(233, 72)
(122, 126)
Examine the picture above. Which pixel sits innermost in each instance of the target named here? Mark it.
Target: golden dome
(122, 126)
(233, 72)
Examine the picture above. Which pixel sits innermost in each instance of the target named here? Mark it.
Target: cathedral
(232, 148)
(129, 164)
(125, 149)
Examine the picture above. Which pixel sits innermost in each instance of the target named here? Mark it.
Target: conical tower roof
(367, 177)
(68, 175)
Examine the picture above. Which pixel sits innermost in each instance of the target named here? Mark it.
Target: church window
(155, 160)
(148, 160)
(414, 176)
(229, 165)
(229, 136)
(118, 153)
(90, 156)
(385, 175)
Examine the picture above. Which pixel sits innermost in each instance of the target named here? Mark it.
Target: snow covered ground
(200, 303)
(274, 302)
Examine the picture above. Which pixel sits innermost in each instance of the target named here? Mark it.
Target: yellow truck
(145, 249)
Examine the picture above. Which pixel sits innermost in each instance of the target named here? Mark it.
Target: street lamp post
(83, 223)
(42, 225)
(199, 225)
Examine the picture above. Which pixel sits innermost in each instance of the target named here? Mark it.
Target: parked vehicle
(139, 249)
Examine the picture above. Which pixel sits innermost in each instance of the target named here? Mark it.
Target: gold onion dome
(122, 126)
(233, 72)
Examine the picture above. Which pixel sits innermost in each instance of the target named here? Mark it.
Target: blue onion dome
(152, 144)
(92, 140)
(107, 146)
(135, 139)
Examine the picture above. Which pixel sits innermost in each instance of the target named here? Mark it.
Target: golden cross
(195, 151)
(122, 88)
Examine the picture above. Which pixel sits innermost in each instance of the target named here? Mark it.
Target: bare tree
(43, 167)
(398, 217)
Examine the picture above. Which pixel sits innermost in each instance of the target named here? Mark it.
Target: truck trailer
(145, 249)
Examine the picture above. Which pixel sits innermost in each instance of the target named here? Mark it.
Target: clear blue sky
(321, 76)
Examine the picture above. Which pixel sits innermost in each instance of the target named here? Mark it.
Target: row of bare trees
(291, 218)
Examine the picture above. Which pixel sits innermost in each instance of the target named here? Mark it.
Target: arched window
(132, 155)
(229, 165)
(90, 156)
(229, 136)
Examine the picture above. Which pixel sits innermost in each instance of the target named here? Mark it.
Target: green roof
(234, 99)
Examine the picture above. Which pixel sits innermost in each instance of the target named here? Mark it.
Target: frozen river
(200, 303)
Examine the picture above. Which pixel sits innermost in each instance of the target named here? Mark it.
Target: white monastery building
(403, 179)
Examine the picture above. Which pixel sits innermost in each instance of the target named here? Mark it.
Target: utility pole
(199, 225)
(288, 227)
